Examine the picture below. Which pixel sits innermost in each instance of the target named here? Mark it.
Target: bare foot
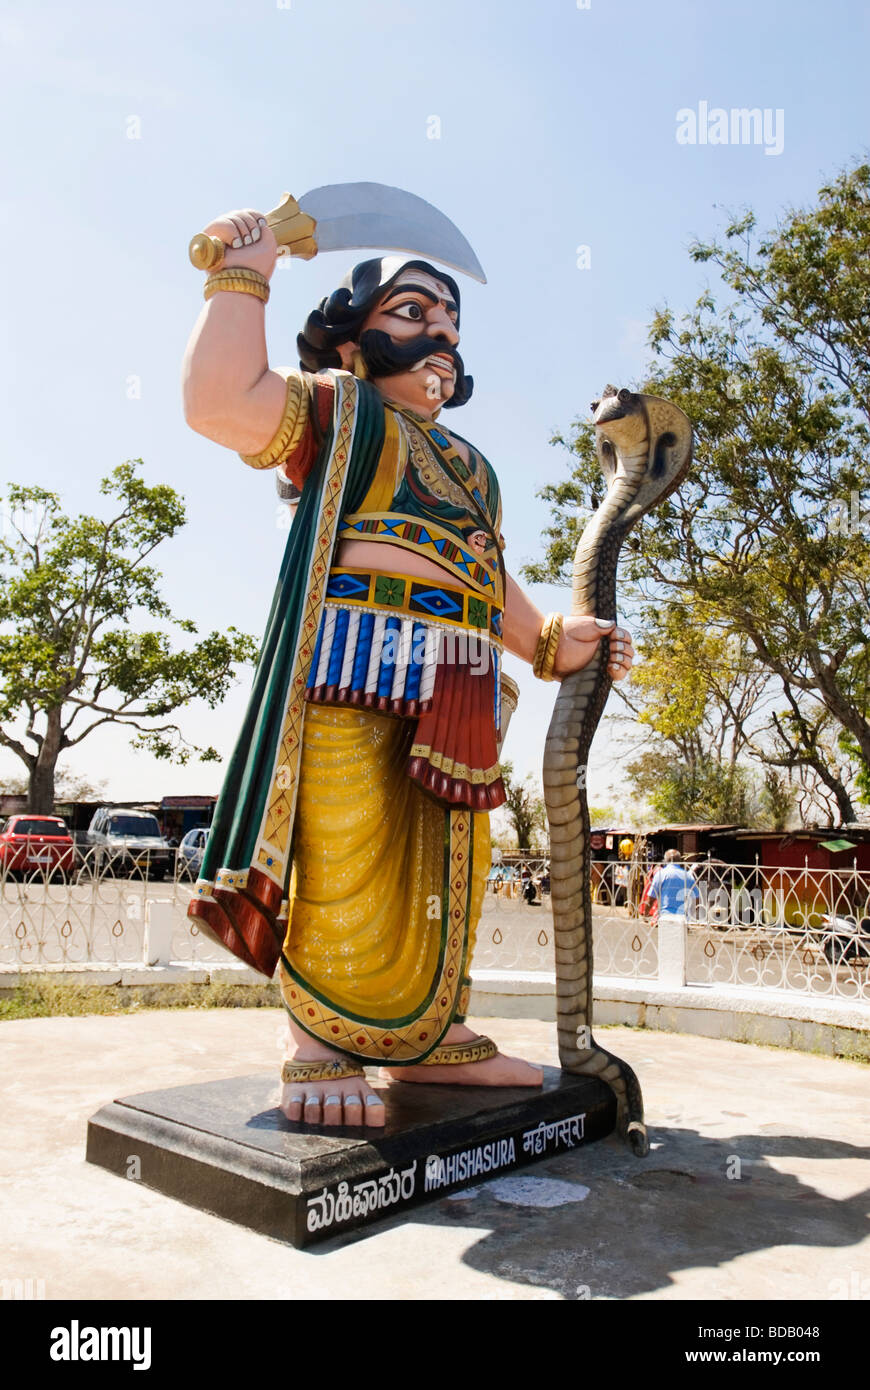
(495, 1071)
(346, 1101)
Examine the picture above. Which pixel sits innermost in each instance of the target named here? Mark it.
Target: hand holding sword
(337, 217)
(284, 230)
(230, 393)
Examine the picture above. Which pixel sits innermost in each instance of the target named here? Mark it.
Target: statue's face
(418, 307)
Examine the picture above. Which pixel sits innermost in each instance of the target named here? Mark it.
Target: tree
(69, 660)
(767, 539)
(68, 786)
(695, 696)
(706, 707)
(710, 709)
(706, 791)
(524, 806)
(778, 799)
(802, 739)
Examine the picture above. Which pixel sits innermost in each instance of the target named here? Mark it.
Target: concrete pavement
(755, 1186)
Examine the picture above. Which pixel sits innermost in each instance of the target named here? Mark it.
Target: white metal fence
(805, 930)
(93, 914)
(797, 929)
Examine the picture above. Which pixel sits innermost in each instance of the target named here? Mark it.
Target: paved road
(793, 1224)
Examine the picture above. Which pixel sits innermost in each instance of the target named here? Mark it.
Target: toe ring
(328, 1070)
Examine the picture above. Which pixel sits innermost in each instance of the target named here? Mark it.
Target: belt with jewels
(382, 637)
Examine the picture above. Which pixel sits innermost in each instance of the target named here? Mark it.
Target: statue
(644, 447)
(350, 845)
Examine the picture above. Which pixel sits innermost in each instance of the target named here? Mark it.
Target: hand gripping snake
(644, 447)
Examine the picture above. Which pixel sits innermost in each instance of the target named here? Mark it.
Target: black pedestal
(225, 1147)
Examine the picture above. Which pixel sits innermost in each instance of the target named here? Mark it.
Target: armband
(288, 436)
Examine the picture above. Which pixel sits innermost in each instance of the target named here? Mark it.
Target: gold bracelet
(554, 637)
(541, 649)
(548, 644)
(238, 278)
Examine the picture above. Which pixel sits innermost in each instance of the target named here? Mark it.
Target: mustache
(384, 357)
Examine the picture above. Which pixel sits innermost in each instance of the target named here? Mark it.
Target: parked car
(122, 842)
(190, 852)
(34, 844)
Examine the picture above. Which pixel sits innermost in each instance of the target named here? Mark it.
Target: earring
(358, 366)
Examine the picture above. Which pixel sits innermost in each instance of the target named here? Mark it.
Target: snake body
(644, 447)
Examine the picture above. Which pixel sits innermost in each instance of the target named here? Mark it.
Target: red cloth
(301, 461)
(459, 729)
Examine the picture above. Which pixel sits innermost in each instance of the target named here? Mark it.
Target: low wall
(807, 1024)
(833, 1027)
(746, 984)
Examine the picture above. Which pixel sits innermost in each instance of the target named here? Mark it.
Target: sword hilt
(294, 232)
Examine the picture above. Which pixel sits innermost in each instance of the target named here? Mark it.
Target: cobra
(644, 447)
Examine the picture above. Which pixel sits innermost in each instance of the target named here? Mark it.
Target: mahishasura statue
(350, 845)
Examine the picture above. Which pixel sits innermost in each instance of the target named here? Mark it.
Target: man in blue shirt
(672, 884)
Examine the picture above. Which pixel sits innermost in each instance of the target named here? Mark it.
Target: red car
(36, 844)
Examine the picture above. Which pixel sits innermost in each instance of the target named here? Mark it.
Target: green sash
(253, 819)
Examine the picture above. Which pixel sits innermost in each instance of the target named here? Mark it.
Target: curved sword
(352, 216)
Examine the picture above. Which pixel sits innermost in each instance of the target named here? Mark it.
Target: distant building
(694, 840)
(178, 814)
(812, 847)
(604, 844)
(810, 872)
(79, 814)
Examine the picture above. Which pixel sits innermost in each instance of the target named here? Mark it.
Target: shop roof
(826, 835)
(719, 828)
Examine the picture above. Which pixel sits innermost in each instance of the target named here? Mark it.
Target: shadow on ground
(644, 1220)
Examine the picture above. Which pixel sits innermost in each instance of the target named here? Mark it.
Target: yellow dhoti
(385, 896)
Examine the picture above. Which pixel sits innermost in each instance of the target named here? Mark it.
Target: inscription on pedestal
(344, 1204)
(224, 1147)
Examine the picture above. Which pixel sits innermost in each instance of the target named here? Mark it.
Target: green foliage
(706, 790)
(767, 541)
(849, 747)
(67, 652)
(777, 800)
(525, 808)
(44, 996)
(69, 786)
(694, 692)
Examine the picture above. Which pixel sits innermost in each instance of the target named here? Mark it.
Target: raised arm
(230, 394)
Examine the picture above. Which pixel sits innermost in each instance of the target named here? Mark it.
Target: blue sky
(557, 130)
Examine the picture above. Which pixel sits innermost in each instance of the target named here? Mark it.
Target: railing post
(673, 936)
(157, 947)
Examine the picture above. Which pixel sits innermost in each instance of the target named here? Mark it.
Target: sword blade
(352, 216)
